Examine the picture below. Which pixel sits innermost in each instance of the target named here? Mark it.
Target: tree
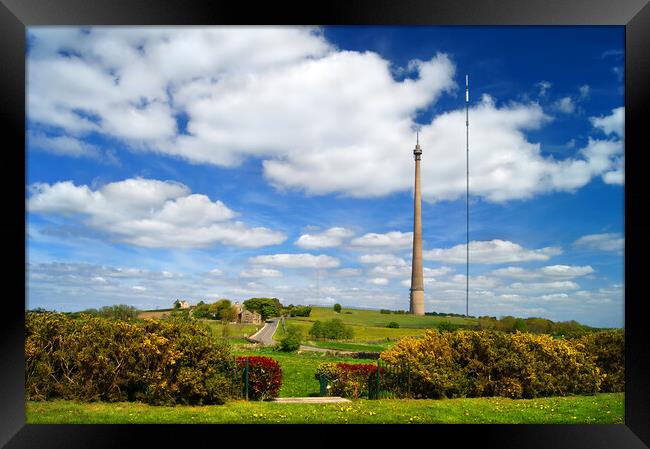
(223, 310)
(267, 307)
(118, 312)
(291, 340)
(201, 310)
(337, 308)
(447, 326)
(316, 330)
(332, 329)
(300, 311)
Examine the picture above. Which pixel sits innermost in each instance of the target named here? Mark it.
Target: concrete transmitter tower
(417, 278)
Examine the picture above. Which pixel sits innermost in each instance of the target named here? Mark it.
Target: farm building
(181, 304)
(247, 316)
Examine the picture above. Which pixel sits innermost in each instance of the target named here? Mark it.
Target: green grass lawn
(236, 332)
(343, 346)
(298, 369)
(603, 408)
(371, 325)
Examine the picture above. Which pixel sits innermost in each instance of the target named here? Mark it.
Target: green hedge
(519, 365)
(158, 362)
(608, 348)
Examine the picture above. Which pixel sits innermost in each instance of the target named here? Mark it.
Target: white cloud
(544, 86)
(63, 146)
(296, 261)
(566, 271)
(547, 272)
(348, 272)
(327, 239)
(215, 272)
(613, 123)
(382, 259)
(490, 252)
(440, 271)
(245, 90)
(260, 273)
(602, 242)
(565, 105)
(555, 297)
(584, 91)
(150, 213)
(391, 271)
(542, 286)
(390, 241)
(378, 281)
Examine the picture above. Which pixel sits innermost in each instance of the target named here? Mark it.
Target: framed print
(366, 213)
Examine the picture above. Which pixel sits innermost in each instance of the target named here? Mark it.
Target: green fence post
(323, 385)
(408, 378)
(246, 378)
(378, 377)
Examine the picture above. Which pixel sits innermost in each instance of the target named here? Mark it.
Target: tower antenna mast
(467, 197)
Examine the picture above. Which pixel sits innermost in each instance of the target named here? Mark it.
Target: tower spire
(467, 197)
(417, 278)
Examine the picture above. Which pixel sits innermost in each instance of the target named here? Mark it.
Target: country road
(265, 335)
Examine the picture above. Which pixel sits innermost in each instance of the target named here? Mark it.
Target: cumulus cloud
(565, 105)
(505, 164)
(150, 213)
(296, 261)
(378, 281)
(382, 259)
(602, 242)
(613, 123)
(550, 272)
(584, 91)
(63, 146)
(244, 92)
(390, 241)
(327, 239)
(80, 273)
(544, 86)
(542, 286)
(490, 252)
(260, 273)
(348, 272)
(555, 297)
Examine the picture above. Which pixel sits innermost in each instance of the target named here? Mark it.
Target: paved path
(316, 349)
(312, 400)
(265, 335)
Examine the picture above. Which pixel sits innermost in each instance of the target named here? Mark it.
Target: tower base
(417, 302)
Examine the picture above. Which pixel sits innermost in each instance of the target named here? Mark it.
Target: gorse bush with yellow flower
(519, 365)
(159, 362)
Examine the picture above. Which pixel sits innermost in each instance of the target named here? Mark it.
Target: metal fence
(390, 381)
(387, 381)
(239, 380)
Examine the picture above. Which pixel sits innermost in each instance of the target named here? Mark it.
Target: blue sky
(234, 162)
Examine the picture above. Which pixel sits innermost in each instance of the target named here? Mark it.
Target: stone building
(247, 316)
(181, 304)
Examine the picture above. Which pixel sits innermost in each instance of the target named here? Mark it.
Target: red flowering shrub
(264, 376)
(346, 379)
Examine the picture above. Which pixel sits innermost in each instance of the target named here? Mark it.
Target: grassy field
(603, 408)
(298, 369)
(344, 346)
(370, 326)
(236, 332)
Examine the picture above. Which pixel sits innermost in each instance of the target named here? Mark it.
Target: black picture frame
(16, 15)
